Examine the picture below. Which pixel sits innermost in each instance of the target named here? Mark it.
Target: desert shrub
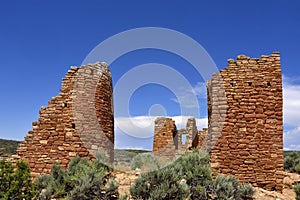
(292, 162)
(223, 187)
(193, 165)
(16, 183)
(288, 163)
(189, 176)
(145, 161)
(297, 168)
(160, 184)
(246, 191)
(228, 187)
(171, 182)
(124, 197)
(83, 179)
(297, 191)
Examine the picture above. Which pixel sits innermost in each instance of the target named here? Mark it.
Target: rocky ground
(287, 193)
(125, 179)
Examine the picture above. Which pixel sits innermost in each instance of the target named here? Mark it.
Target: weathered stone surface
(169, 142)
(252, 88)
(78, 121)
(244, 135)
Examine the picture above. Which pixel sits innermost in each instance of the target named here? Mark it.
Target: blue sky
(39, 41)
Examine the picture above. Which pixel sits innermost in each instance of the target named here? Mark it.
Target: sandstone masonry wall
(165, 135)
(245, 125)
(78, 121)
(245, 121)
(169, 142)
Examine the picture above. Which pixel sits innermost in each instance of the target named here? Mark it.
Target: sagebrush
(297, 191)
(145, 161)
(188, 176)
(83, 179)
(292, 162)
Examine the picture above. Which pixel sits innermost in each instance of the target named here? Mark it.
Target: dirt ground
(287, 193)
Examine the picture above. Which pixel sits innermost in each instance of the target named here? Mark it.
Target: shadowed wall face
(245, 121)
(78, 121)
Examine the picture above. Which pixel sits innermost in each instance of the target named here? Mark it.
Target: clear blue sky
(40, 40)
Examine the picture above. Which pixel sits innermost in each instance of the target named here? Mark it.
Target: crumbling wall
(165, 135)
(200, 140)
(78, 121)
(245, 121)
(245, 126)
(169, 142)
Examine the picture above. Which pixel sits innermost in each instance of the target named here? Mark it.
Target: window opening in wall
(65, 104)
(73, 125)
(268, 84)
(231, 84)
(183, 138)
(250, 83)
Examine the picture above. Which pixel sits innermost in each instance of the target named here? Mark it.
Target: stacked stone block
(245, 126)
(192, 134)
(168, 141)
(165, 136)
(78, 121)
(245, 121)
(200, 142)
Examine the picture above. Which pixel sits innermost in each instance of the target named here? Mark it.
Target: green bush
(171, 181)
(144, 161)
(160, 184)
(15, 183)
(228, 187)
(83, 179)
(297, 168)
(297, 191)
(189, 176)
(246, 191)
(223, 187)
(292, 162)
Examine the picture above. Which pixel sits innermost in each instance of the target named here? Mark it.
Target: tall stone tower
(78, 121)
(245, 121)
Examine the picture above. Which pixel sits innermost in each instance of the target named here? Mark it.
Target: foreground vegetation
(83, 179)
(16, 183)
(189, 176)
(297, 191)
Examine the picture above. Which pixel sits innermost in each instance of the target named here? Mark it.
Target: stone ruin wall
(245, 121)
(168, 141)
(78, 121)
(245, 125)
(244, 135)
(164, 138)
